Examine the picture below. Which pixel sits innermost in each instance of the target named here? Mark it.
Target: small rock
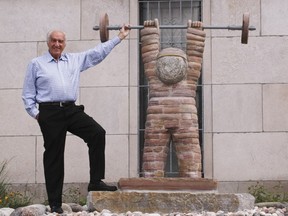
(220, 213)
(137, 213)
(129, 213)
(6, 211)
(211, 214)
(105, 212)
(279, 212)
(270, 204)
(32, 210)
(75, 207)
(271, 210)
(66, 208)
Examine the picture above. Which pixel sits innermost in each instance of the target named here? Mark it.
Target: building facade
(242, 105)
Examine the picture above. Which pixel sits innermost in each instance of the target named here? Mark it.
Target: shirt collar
(50, 58)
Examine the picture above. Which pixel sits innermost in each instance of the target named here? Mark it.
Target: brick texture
(172, 112)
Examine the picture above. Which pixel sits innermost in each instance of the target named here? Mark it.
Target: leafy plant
(3, 177)
(73, 195)
(263, 194)
(9, 198)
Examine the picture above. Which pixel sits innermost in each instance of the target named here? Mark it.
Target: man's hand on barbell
(124, 31)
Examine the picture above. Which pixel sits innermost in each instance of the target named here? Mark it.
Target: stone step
(168, 202)
(168, 195)
(200, 184)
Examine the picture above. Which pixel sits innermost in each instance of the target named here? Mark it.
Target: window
(168, 12)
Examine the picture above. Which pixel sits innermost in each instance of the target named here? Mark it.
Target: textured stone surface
(171, 114)
(31, 210)
(171, 65)
(167, 184)
(167, 202)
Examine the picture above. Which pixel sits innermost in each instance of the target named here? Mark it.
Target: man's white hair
(50, 33)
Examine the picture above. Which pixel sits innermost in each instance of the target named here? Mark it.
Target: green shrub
(9, 198)
(262, 194)
(73, 195)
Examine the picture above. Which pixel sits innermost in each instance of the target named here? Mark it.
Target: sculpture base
(168, 195)
(167, 184)
(168, 202)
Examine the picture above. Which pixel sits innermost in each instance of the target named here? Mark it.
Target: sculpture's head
(171, 65)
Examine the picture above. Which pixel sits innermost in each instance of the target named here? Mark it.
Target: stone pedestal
(167, 184)
(168, 195)
(168, 202)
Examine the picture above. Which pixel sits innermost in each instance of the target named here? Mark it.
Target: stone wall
(245, 95)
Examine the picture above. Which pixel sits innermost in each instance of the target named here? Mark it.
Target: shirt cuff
(33, 113)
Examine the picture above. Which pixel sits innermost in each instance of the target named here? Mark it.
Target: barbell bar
(104, 27)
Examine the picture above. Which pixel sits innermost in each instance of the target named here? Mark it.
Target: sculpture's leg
(188, 152)
(155, 151)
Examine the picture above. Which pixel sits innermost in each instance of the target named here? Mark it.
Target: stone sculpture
(172, 75)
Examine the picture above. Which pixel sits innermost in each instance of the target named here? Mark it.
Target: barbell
(104, 27)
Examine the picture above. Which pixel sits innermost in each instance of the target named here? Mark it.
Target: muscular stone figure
(172, 114)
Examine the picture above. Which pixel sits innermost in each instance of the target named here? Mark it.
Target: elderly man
(52, 82)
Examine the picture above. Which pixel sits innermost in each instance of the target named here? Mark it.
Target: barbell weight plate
(245, 28)
(104, 32)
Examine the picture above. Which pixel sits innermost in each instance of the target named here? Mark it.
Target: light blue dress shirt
(48, 80)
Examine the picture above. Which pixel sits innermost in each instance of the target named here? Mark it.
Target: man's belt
(59, 104)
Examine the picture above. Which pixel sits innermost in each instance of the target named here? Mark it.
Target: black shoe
(101, 186)
(56, 209)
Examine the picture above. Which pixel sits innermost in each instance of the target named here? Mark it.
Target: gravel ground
(264, 209)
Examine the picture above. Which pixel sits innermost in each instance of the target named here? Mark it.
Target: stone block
(249, 63)
(168, 202)
(227, 12)
(108, 106)
(19, 152)
(237, 108)
(133, 151)
(30, 20)
(13, 70)
(92, 10)
(117, 157)
(275, 95)
(208, 155)
(271, 11)
(250, 156)
(160, 184)
(112, 71)
(133, 61)
(14, 118)
(133, 110)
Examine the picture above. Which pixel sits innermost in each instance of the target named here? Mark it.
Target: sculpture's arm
(195, 49)
(150, 46)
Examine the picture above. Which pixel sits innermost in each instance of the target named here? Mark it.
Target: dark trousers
(54, 122)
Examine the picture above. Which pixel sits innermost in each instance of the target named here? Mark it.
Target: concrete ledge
(168, 202)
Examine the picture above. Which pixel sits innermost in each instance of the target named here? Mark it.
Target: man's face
(56, 44)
